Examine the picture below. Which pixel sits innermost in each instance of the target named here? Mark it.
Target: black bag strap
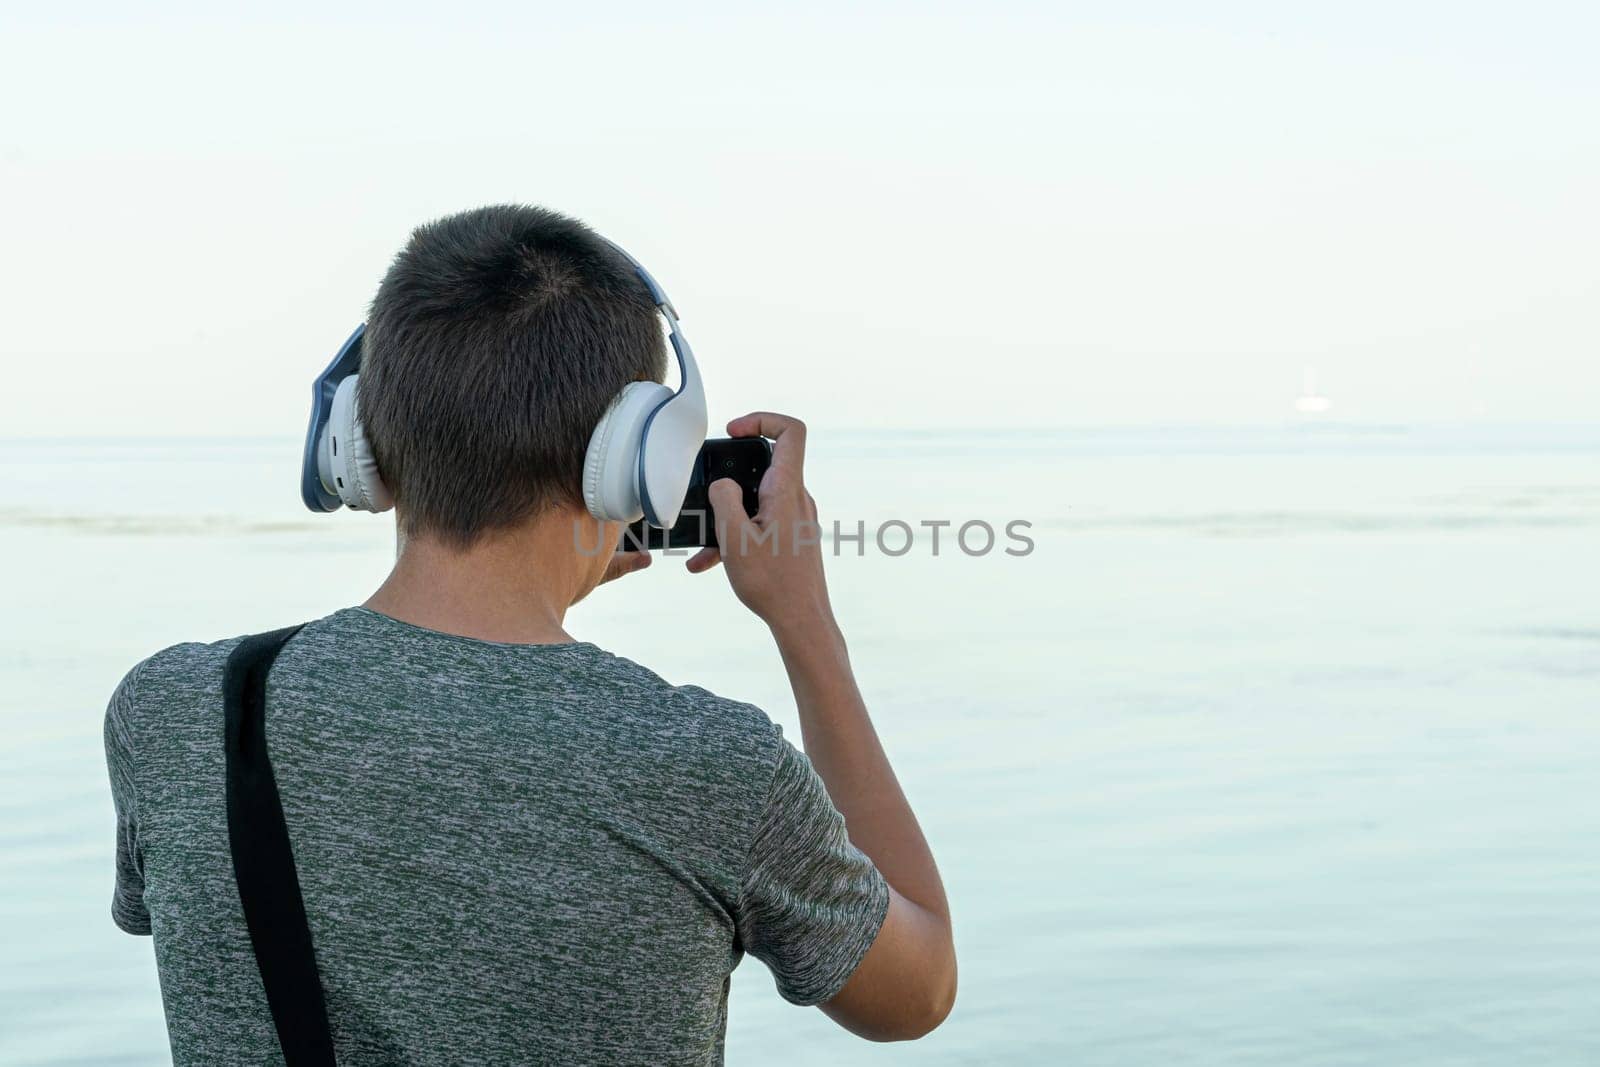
(263, 863)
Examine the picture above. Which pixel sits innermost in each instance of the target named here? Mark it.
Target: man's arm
(906, 983)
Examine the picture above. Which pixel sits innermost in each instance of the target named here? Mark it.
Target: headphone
(638, 463)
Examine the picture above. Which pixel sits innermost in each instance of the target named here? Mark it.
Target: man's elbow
(923, 1013)
(905, 987)
(937, 1009)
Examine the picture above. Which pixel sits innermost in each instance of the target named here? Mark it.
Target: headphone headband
(657, 295)
(689, 399)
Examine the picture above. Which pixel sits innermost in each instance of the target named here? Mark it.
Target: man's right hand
(774, 560)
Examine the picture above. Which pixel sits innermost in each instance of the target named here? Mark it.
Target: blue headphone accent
(346, 363)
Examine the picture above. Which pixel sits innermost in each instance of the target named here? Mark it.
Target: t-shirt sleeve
(127, 899)
(811, 903)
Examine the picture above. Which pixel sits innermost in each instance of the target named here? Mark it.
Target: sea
(1238, 745)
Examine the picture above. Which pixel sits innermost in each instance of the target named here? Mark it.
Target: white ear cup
(611, 464)
(349, 462)
(672, 440)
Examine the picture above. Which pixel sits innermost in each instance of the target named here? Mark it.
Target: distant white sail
(1311, 402)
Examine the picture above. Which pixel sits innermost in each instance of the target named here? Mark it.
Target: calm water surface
(1280, 747)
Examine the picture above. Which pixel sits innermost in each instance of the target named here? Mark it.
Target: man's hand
(624, 563)
(774, 560)
(620, 563)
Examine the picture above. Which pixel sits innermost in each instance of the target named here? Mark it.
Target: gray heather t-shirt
(508, 853)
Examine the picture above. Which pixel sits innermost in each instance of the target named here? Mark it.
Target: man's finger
(727, 503)
(704, 560)
(788, 436)
(625, 563)
(787, 472)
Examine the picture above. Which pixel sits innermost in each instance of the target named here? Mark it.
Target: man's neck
(511, 586)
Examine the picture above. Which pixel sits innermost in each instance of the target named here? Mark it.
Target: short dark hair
(496, 341)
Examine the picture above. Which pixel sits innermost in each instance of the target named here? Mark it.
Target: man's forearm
(844, 748)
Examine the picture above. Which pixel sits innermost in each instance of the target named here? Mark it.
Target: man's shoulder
(185, 674)
(691, 716)
(184, 663)
(162, 679)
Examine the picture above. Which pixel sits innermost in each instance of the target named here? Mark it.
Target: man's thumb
(727, 502)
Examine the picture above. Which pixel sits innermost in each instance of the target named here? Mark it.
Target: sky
(889, 215)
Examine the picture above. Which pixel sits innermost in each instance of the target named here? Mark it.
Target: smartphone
(744, 459)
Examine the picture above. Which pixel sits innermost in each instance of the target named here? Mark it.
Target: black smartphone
(744, 459)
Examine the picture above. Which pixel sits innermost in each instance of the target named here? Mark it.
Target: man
(513, 846)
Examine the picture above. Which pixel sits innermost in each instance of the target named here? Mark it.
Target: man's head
(495, 343)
